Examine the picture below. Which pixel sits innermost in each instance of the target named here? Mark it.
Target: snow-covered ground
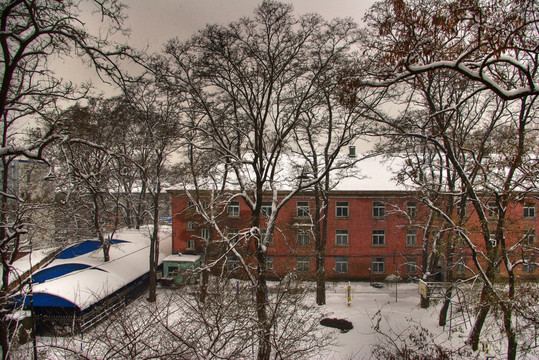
(398, 311)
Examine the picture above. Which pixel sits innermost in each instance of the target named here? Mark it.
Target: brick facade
(370, 234)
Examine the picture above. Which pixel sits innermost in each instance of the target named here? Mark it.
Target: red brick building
(372, 232)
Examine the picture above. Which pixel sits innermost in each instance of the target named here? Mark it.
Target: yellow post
(349, 293)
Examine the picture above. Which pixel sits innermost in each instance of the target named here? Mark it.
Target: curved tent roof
(85, 279)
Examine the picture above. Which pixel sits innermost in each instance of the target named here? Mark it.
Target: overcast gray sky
(153, 22)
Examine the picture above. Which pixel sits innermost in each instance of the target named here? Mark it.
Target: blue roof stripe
(57, 271)
(83, 248)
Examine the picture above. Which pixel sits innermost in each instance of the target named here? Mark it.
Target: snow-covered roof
(89, 279)
(369, 173)
(182, 258)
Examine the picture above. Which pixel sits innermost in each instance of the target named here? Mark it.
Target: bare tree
(250, 83)
(463, 41)
(157, 127)
(32, 31)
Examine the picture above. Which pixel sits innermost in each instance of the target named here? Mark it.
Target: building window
(378, 265)
(341, 237)
(173, 271)
(190, 225)
(528, 266)
(378, 237)
(492, 210)
(411, 266)
(341, 264)
(205, 233)
(411, 238)
(232, 262)
(342, 209)
(266, 208)
(303, 209)
(190, 244)
(232, 234)
(529, 237)
(460, 266)
(302, 263)
(303, 237)
(411, 209)
(234, 209)
(529, 211)
(269, 263)
(378, 209)
(352, 151)
(263, 235)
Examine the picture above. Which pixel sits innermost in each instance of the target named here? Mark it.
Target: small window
(378, 265)
(205, 233)
(529, 211)
(303, 209)
(269, 263)
(341, 237)
(190, 225)
(173, 271)
(492, 210)
(266, 208)
(352, 151)
(263, 235)
(411, 209)
(232, 262)
(303, 237)
(460, 266)
(411, 238)
(341, 264)
(529, 237)
(190, 244)
(378, 237)
(302, 263)
(232, 234)
(342, 209)
(411, 266)
(378, 209)
(234, 209)
(528, 266)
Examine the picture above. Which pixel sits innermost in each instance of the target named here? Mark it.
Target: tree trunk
(4, 336)
(475, 334)
(442, 318)
(154, 247)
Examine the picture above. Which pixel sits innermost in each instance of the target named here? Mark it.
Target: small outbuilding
(180, 269)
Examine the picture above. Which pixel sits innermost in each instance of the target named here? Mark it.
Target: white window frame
(378, 210)
(205, 233)
(378, 237)
(234, 208)
(378, 265)
(270, 265)
(266, 208)
(341, 265)
(342, 209)
(190, 226)
(411, 265)
(303, 237)
(190, 244)
(342, 237)
(411, 209)
(411, 238)
(303, 209)
(303, 264)
(528, 211)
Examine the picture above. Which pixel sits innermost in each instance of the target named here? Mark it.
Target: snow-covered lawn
(399, 312)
